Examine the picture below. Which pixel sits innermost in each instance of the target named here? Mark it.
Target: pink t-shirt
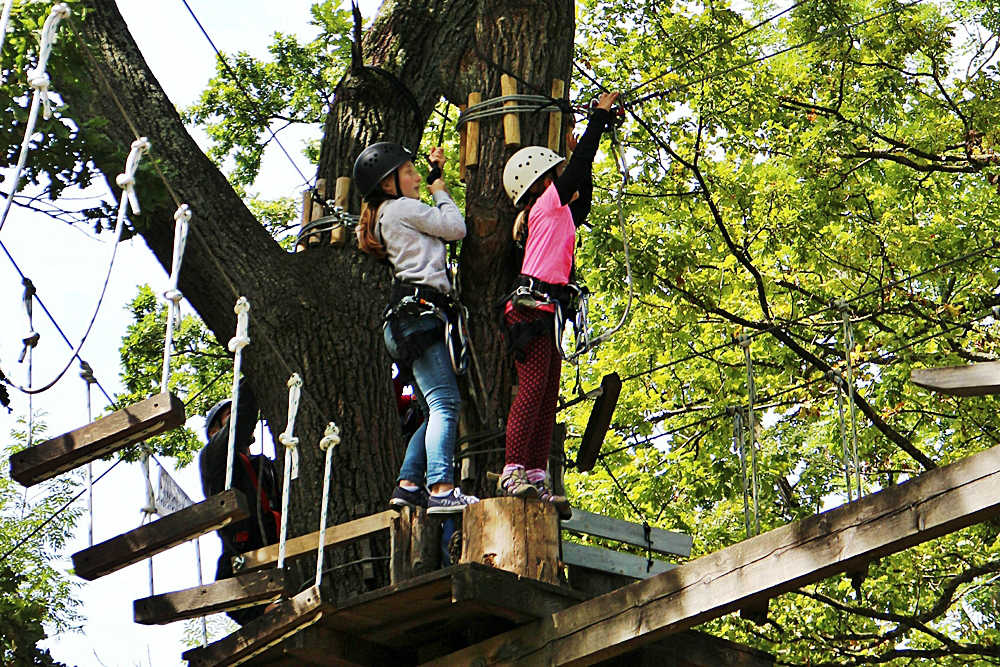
(548, 254)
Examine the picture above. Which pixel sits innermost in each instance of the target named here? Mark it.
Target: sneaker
(515, 483)
(559, 502)
(401, 498)
(454, 502)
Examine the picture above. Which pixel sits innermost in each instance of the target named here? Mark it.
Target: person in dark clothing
(253, 475)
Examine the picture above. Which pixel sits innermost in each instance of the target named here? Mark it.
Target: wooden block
(244, 590)
(461, 145)
(343, 533)
(511, 124)
(610, 561)
(257, 636)
(512, 534)
(599, 422)
(106, 435)
(555, 117)
(157, 536)
(425, 542)
(399, 548)
(472, 135)
(982, 379)
(598, 525)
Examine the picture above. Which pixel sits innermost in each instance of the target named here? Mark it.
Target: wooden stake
(472, 138)
(461, 146)
(555, 117)
(511, 125)
(340, 197)
(306, 216)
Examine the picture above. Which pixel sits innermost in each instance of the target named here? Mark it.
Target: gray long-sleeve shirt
(415, 234)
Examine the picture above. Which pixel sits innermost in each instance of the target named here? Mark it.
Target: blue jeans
(431, 449)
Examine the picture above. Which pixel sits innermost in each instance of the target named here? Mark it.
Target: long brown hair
(368, 240)
(535, 190)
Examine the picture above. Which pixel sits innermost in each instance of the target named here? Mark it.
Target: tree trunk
(318, 313)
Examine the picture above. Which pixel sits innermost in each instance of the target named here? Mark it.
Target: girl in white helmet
(554, 202)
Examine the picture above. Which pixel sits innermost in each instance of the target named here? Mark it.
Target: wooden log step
(244, 590)
(980, 379)
(599, 422)
(119, 429)
(612, 562)
(339, 534)
(288, 618)
(598, 525)
(160, 535)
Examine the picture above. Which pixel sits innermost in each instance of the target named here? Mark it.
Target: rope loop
(126, 180)
(87, 373)
(331, 437)
(294, 394)
(242, 338)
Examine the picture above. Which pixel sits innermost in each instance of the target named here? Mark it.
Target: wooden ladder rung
(160, 535)
(142, 420)
(244, 590)
(288, 618)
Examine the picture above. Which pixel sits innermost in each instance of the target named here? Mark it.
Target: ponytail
(520, 231)
(368, 240)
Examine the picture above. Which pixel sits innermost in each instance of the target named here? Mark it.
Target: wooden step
(613, 562)
(244, 590)
(288, 618)
(599, 422)
(598, 525)
(160, 535)
(982, 379)
(119, 429)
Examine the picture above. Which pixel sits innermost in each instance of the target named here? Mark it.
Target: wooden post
(555, 117)
(399, 547)
(472, 135)
(520, 536)
(306, 216)
(425, 542)
(511, 125)
(340, 198)
(461, 145)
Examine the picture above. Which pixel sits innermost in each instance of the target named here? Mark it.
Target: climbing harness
(744, 342)
(848, 348)
(291, 457)
(329, 441)
(182, 218)
(39, 80)
(236, 345)
(461, 350)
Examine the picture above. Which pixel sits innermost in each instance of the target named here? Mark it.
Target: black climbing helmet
(213, 413)
(376, 162)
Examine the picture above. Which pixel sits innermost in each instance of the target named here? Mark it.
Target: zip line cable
(243, 89)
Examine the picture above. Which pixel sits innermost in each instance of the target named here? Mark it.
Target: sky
(67, 267)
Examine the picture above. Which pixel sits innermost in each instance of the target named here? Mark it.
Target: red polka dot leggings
(533, 413)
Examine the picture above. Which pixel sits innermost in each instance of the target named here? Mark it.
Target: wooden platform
(160, 535)
(244, 590)
(87, 443)
(982, 379)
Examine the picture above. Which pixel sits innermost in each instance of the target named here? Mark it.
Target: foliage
(34, 595)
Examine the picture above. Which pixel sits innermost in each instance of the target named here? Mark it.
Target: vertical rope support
(87, 373)
(848, 348)
(182, 218)
(329, 441)
(29, 341)
(201, 582)
(39, 80)
(236, 345)
(290, 442)
(149, 509)
(752, 429)
(839, 381)
(4, 21)
(742, 452)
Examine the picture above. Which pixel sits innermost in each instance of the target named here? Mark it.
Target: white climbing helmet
(524, 168)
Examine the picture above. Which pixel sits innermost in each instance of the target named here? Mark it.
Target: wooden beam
(598, 525)
(119, 429)
(556, 117)
(160, 535)
(244, 590)
(472, 135)
(743, 575)
(343, 533)
(255, 637)
(511, 124)
(599, 422)
(614, 562)
(982, 379)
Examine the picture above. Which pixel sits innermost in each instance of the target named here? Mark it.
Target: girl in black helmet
(411, 235)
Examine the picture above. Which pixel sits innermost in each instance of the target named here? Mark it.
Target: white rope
(329, 441)
(149, 510)
(4, 20)
(201, 582)
(87, 373)
(39, 80)
(290, 442)
(127, 181)
(236, 345)
(182, 219)
(848, 347)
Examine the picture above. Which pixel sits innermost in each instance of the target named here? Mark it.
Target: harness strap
(265, 501)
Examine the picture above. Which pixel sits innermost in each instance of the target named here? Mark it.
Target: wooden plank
(938, 502)
(599, 422)
(555, 117)
(614, 562)
(511, 124)
(255, 637)
(160, 535)
(598, 525)
(980, 379)
(339, 534)
(106, 435)
(472, 135)
(244, 590)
